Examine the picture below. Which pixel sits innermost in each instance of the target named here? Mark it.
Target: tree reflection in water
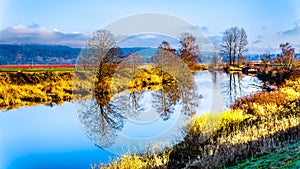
(116, 99)
(165, 100)
(103, 117)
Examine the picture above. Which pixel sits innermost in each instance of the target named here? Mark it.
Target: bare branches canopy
(234, 44)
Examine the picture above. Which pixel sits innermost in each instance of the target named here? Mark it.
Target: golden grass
(21, 89)
(153, 159)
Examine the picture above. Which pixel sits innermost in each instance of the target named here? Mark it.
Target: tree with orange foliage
(287, 58)
(189, 51)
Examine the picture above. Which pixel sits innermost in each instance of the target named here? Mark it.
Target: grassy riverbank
(257, 125)
(26, 88)
(33, 88)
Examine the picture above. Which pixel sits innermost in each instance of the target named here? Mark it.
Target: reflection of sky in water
(45, 137)
(136, 136)
(51, 137)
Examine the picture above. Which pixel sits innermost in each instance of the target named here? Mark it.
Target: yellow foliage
(134, 161)
(257, 109)
(232, 117)
(212, 122)
(45, 91)
(291, 93)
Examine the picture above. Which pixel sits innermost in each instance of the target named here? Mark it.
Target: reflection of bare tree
(131, 103)
(234, 88)
(190, 99)
(214, 77)
(101, 122)
(100, 117)
(115, 99)
(174, 70)
(165, 99)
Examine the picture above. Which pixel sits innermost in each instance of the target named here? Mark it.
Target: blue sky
(267, 22)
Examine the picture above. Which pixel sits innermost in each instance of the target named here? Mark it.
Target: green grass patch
(287, 157)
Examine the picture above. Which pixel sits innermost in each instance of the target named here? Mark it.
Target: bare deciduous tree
(99, 45)
(234, 44)
(243, 42)
(227, 45)
(216, 58)
(101, 49)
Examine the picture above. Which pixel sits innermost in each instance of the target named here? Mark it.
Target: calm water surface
(69, 137)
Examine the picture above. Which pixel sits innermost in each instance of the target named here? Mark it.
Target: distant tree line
(37, 54)
(46, 54)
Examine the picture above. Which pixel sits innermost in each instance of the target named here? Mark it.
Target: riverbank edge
(193, 153)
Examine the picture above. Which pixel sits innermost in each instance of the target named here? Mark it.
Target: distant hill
(43, 54)
(57, 54)
(37, 54)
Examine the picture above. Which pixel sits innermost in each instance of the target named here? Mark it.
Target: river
(68, 136)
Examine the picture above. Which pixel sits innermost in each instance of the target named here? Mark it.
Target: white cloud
(147, 40)
(146, 36)
(55, 30)
(34, 34)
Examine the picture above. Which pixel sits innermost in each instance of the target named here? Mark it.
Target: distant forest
(43, 54)
(57, 54)
(37, 54)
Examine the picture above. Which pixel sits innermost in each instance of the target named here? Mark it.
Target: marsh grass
(32, 88)
(151, 158)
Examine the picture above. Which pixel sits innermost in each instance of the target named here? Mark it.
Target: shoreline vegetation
(255, 126)
(34, 88)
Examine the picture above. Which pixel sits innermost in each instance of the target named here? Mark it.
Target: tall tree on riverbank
(287, 58)
(101, 49)
(234, 44)
(99, 45)
(189, 50)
